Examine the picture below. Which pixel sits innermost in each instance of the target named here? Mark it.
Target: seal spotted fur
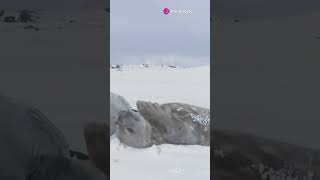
(173, 123)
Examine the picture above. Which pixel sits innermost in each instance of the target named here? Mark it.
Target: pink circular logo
(166, 10)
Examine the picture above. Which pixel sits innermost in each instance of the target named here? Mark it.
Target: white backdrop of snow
(161, 85)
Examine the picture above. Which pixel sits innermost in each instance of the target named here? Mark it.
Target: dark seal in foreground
(242, 156)
(32, 148)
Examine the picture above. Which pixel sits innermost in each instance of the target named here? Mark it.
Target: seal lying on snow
(177, 123)
(32, 148)
(173, 123)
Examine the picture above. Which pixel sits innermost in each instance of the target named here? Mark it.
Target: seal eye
(130, 130)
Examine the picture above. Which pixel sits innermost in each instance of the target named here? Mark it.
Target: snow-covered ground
(161, 84)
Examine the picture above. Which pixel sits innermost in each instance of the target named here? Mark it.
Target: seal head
(133, 130)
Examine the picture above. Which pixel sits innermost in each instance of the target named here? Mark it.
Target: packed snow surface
(161, 84)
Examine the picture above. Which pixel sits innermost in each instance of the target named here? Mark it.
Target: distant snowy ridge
(153, 67)
(120, 67)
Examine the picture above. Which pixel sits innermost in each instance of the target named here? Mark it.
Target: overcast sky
(141, 33)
